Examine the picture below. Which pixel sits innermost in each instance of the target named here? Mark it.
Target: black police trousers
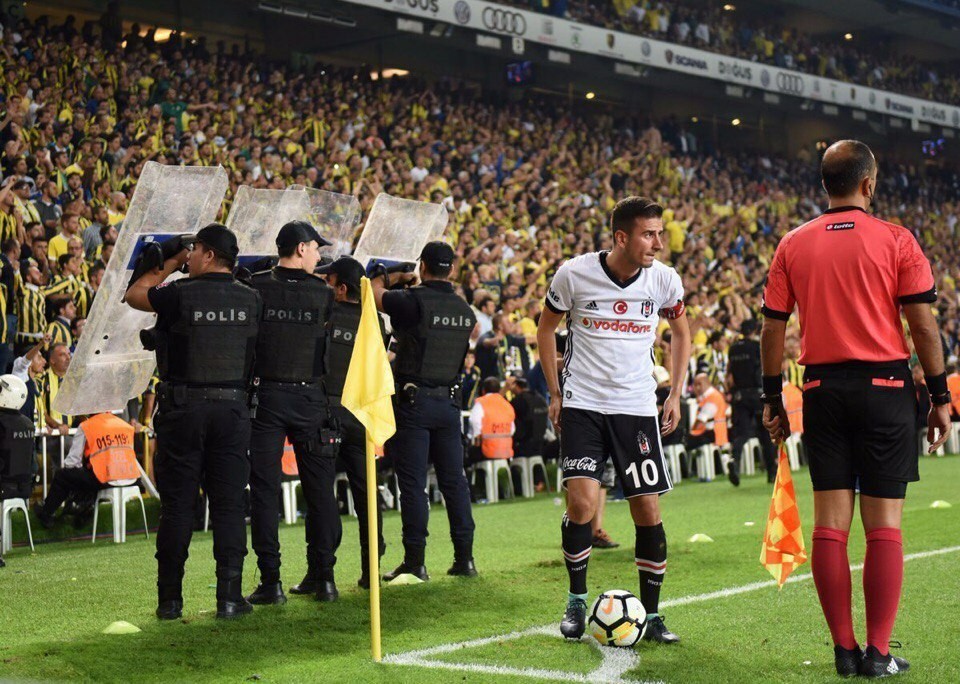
(429, 430)
(201, 443)
(324, 529)
(747, 423)
(285, 411)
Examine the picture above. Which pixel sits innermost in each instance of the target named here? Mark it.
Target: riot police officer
(432, 327)
(290, 399)
(318, 476)
(745, 385)
(16, 442)
(205, 339)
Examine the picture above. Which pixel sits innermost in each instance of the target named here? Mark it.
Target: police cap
(295, 232)
(347, 269)
(217, 237)
(437, 256)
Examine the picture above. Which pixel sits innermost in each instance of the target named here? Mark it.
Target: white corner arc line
(616, 661)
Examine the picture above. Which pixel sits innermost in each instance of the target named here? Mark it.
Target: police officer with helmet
(324, 530)
(432, 327)
(205, 340)
(291, 402)
(744, 380)
(16, 442)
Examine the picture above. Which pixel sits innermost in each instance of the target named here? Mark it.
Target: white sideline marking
(616, 661)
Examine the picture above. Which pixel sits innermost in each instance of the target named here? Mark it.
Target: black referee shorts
(860, 427)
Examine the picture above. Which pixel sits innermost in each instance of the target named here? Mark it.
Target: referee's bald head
(845, 165)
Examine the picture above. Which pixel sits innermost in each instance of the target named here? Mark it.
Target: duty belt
(284, 383)
(182, 394)
(411, 390)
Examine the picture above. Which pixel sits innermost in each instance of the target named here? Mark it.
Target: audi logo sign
(504, 21)
(791, 84)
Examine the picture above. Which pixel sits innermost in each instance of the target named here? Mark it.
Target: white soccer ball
(617, 619)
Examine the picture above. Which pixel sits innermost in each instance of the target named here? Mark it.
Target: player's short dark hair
(846, 168)
(629, 209)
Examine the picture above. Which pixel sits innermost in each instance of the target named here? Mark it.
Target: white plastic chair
(953, 440)
(491, 468)
(749, 456)
(288, 490)
(794, 447)
(674, 454)
(526, 465)
(7, 507)
(342, 477)
(924, 445)
(706, 467)
(117, 494)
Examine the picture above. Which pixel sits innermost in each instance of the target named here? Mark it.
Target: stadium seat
(7, 507)
(117, 494)
(706, 462)
(288, 490)
(794, 447)
(491, 468)
(342, 477)
(953, 441)
(526, 465)
(749, 455)
(675, 454)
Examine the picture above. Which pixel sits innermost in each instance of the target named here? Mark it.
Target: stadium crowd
(526, 186)
(708, 26)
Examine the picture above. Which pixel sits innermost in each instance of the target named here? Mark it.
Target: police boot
(308, 585)
(169, 602)
(268, 594)
(230, 601)
(326, 587)
(463, 565)
(364, 581)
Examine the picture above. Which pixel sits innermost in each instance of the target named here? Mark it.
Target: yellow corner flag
(366, 394)
(783, 550)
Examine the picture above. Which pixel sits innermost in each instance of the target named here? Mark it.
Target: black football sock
(577, 541)
(651, 559)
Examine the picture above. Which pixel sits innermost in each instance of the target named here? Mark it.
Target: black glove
(154, 254)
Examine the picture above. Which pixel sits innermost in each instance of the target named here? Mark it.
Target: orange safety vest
(953, 384)
(496, 438)
(793, 404)
(714, 397)
(108, 450)
(288, 463)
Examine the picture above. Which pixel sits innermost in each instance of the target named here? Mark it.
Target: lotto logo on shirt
(630, 327)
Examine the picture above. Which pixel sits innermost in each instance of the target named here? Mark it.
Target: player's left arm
(679, 359)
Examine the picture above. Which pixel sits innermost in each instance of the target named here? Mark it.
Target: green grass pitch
(55, 603)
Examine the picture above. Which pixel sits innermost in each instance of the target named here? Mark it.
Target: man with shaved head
(850, 275)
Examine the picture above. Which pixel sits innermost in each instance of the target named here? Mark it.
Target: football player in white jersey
(605, 405)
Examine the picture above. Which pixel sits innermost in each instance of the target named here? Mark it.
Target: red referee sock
(831, 574)
(882, 581)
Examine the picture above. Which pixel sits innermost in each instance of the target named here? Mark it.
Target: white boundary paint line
(615, 663)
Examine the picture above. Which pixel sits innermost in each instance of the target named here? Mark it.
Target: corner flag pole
(373, 549)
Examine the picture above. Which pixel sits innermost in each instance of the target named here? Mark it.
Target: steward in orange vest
(492, 424)
(108, 449)
(710, 426)
(101, 452)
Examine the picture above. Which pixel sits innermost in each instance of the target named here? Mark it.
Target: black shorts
(587, 438)
(860, 427)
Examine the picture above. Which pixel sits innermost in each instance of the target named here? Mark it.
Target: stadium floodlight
(270, 7)
(297, 12)
(735, 122)
(848, 36)
(591, 95)
(349, 22)
(729, 8)
(321, 16)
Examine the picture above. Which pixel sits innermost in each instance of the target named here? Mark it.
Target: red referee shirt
(848, 273)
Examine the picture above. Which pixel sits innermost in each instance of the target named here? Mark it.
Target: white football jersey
(608, 361)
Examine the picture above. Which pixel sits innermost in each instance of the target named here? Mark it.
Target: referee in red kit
(850, 275)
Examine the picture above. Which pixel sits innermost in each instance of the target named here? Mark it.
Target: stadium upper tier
(526, 184)
(711, 28)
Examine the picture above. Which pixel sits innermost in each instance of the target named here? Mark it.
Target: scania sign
(683, 60)
(899, 107)
(791, 84)
(504, 21)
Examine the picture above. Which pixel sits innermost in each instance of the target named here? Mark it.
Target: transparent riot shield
(397, 229)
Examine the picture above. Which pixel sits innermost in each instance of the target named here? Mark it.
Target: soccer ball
(617, 619)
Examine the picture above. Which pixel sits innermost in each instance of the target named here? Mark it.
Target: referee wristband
(936, 384)
(772, 384)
